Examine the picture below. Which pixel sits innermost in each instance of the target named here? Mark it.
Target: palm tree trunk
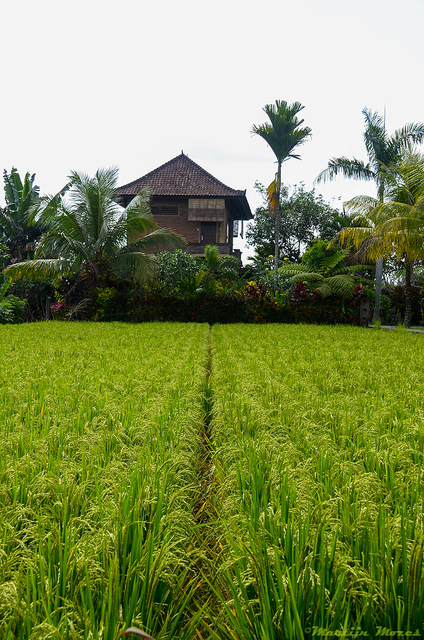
(277, 225)
(379, 264)
(378, 283)
(408, 295)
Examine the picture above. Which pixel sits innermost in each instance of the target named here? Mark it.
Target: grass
(244, 482)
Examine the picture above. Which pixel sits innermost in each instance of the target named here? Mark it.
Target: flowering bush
(58, 308)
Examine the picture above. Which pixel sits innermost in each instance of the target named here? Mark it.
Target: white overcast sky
(132, 83)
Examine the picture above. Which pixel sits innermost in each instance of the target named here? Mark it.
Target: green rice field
(239, 482)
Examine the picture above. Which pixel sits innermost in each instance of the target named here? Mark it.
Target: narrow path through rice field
(205, 510)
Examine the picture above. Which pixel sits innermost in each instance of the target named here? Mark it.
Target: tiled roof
(180, 177)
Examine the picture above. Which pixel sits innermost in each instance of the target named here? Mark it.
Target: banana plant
(19, 228)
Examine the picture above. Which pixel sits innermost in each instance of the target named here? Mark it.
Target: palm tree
(18, 227)
(283, 135)
(395, 227)
(87, 229)
(384, 152)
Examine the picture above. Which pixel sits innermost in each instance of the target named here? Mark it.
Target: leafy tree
(395, 227)
(88, 231)
(181, 273)
(304, 217)
(283, 134)
(18, 225)
(384, 152)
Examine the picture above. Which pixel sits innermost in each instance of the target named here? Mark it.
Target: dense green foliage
(12, 310)
(88, 233)
(11, 307)
(176, 271)
(305, 216)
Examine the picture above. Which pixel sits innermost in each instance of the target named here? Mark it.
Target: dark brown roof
(183, 177)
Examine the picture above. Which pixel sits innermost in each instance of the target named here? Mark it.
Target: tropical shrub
(37, 294)
(176, 271)
(111, 304)
(324, 269)
(11, 307)
(12, 310)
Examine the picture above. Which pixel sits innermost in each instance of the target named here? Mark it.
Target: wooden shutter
(206, 209)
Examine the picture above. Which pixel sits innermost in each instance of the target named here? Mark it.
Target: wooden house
(189, 200)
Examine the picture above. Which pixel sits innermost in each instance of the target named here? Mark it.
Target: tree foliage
(176, 271)
(304, 217)
(87, 230)
(393, 228)
(184, 274)
(384, 152)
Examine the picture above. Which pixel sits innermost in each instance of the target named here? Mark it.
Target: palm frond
(285, 132)
(4, 287)
(300, 272)
(137, 264)
(158, 240)
(354, 168)
(272, 194)
(140, 223)
(352, 236)
(37, 269)
(403, 139)
(331, 261)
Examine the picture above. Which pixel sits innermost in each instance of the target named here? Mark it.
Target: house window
(164, 210)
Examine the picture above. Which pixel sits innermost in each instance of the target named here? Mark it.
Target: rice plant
(97, 479)
(252, 482)
(318, 435)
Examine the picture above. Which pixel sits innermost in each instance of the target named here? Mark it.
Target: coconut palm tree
(384, 152)
(87, 229)
(283, 135)
(395, 227)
